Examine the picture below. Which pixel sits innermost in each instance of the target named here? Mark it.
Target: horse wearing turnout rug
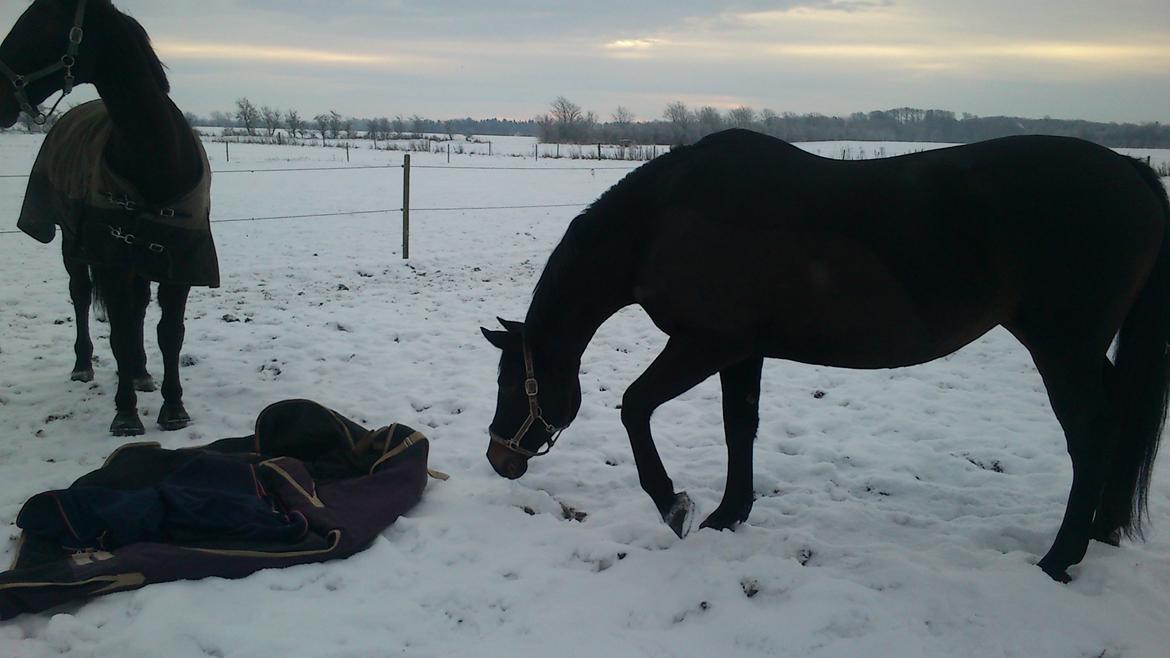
(125, 178)
(742, 247)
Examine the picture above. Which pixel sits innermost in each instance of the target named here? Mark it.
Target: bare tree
(449, 128)
(334, 124)
(322, 121)
(292, 121)
(680, 120)
(622, 116)
(771, 121)
(417, 124)
(568, 122)
(271, 119)
(710, 121)
(741, 117)
(565, 112)
(346, 126)
(399, 125)
(247, 115)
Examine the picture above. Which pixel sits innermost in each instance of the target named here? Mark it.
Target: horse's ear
(501, 339)
(512, 326)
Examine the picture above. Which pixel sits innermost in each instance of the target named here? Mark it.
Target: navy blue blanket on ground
(309, 485)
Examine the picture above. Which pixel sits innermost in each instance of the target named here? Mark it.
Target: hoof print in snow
(338, 327)
(750, 587)
(804, 556)
(818, 394)
(342, 286)
(52, 418)
(529, 511)
(995, 466)
(188, 360)
(571, 514)
(228, 317)
(270, 370)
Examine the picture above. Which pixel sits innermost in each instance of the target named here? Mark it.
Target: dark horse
(742, 247)
(54, 45)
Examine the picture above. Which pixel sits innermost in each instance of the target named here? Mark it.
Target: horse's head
(45, 52)
(537, 399)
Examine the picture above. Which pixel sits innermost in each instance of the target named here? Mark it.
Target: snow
(898, 514)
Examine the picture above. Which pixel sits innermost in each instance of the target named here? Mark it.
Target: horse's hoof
(1111, 537)
(82, 375)
(725, 518)
(172, 416)
(681, 515)
(1057, 574)
(144, 383)
(127, 423)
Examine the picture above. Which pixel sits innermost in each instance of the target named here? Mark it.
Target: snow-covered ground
(899, 512)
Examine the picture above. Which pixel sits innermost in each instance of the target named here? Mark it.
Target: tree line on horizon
(567, 122)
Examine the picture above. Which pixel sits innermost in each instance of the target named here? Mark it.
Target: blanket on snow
(309, 485)
(105, 218)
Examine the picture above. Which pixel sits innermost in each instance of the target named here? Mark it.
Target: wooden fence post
(227, 149)
(406, 207)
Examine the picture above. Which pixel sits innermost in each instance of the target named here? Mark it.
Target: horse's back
(892, 261)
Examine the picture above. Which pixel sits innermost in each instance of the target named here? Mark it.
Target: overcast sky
(1105, 60)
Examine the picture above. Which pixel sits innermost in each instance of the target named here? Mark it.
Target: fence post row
(406, 207)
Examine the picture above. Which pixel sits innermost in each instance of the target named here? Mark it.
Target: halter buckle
(76, 35)
(19, 82)
(531, 388)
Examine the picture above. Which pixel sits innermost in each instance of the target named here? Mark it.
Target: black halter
(20, 83)
(535, 415)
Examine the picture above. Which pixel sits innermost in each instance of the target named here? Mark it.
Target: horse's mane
(133, 42)
(621, 209)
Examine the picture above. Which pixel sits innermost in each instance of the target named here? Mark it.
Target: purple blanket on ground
(310, 485)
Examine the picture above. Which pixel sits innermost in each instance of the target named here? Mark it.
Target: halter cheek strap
(535, 415)
(20, 82)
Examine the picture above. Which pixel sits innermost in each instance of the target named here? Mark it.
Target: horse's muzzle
(505, 462)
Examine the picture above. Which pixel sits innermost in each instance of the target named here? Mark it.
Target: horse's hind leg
(81, 294)
(123, 295)
(683, 364)
(173, 301)
(1076, 390)
(741, 418)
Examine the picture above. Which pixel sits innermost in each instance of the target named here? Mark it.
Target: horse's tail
(1140, 384)
(99, 291)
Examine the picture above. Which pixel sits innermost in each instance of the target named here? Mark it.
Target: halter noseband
(531, 389)
(20, 83)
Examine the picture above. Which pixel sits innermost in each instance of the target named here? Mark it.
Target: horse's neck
(152, 145)
(584, 283)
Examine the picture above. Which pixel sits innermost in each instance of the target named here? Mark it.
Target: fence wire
(413, 209)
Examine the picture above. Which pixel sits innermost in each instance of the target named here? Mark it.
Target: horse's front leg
(681, 365)
(81, 294)
(172, 300)
(741, 418)
(124, 295)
